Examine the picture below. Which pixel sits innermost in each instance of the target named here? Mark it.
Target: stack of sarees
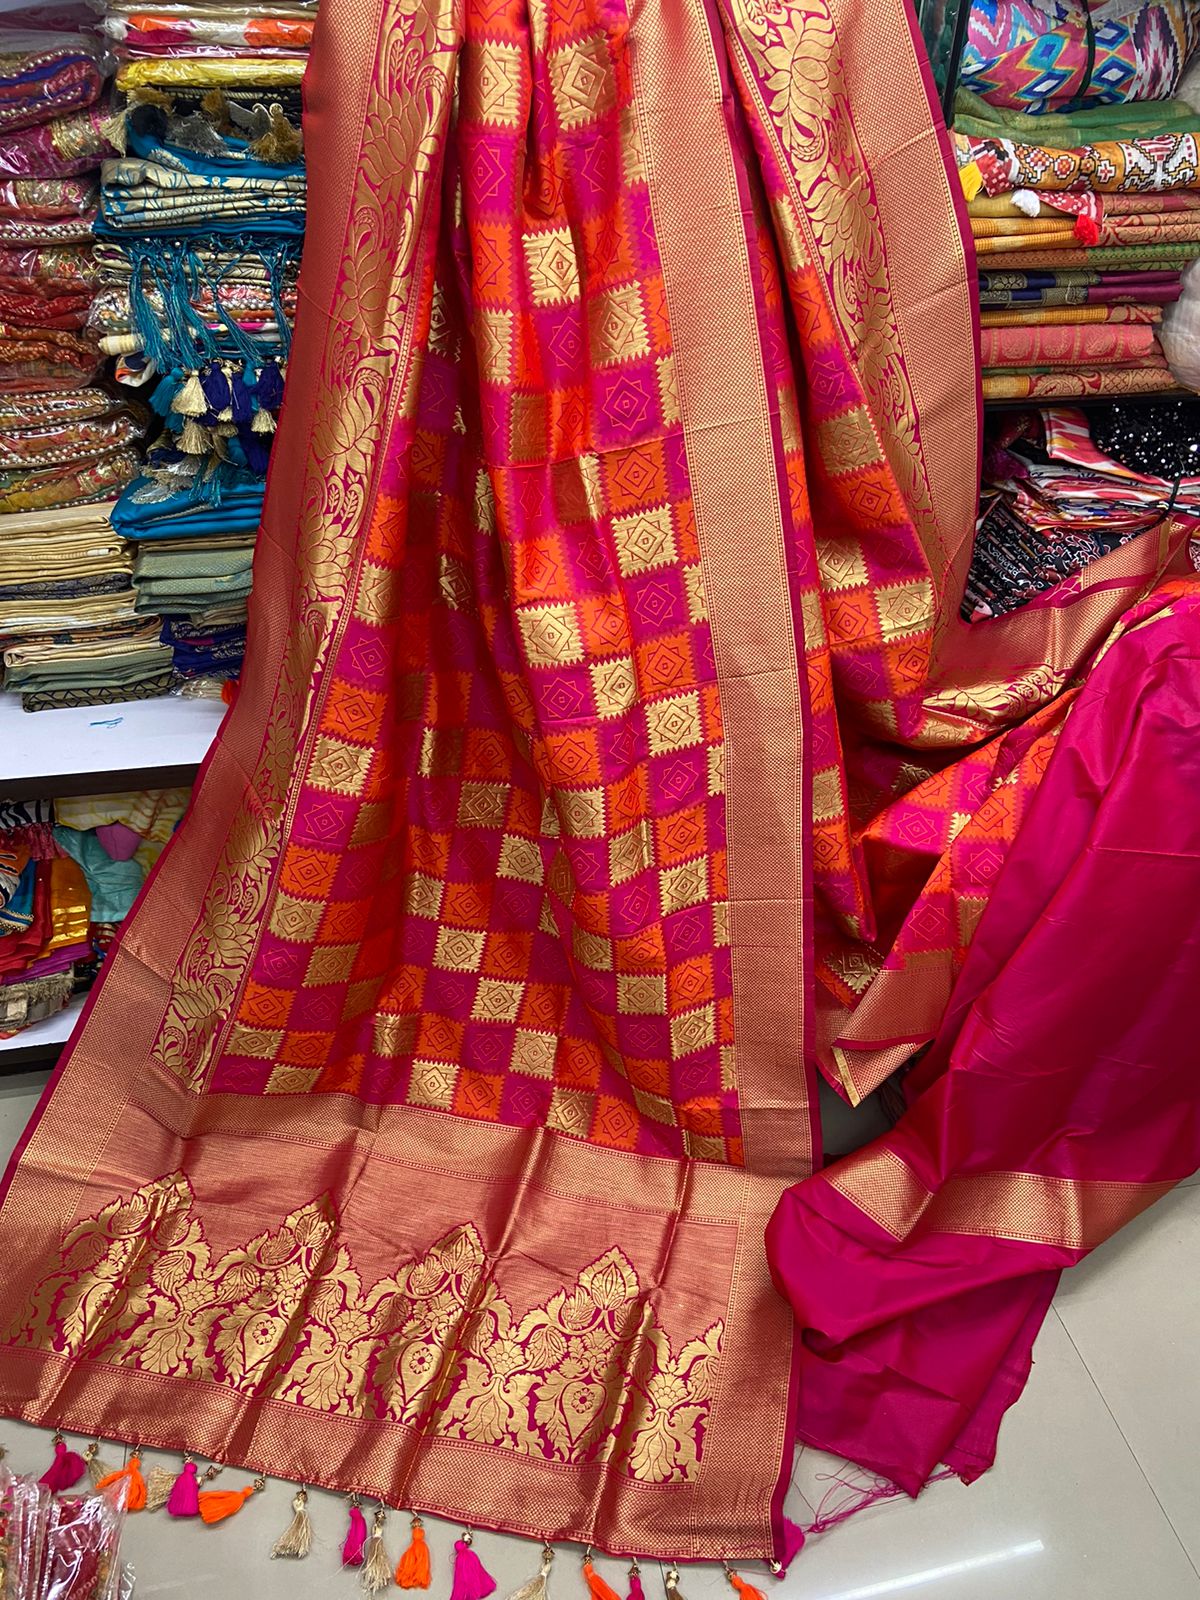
(202, 219)
(1083, 222)
(70, 871)
(69, 633)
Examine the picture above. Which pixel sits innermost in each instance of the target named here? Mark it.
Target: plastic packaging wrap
(64, 147)
(1180, 332)
(83, 1535)
(44, 75)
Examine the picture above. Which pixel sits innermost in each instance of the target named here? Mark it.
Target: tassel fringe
(354, 1549)
(671, 1583)
(376, 1567)
(159, 1483)
(636, 1592)
(744, 1590)
(472, 1580)
(131, 1477)
(596, 1585)
(96, 1468)
(536, 1588)
(66, 1470)
(218, 1504)
(183, 1500)
(412, 1569)
(296, 1539)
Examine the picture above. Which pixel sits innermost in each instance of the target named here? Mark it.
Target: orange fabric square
(608, 248)
(710, 705)
(575, 756)
(685, 531)
(308, 872)
(467, 905)
(306, 1049)
(507, 955)
(604, 625)
(477, 1094)
(405, 988)
(524, 814)
(353, 713)
(265, 1007)
(636, 478)
(691, 983)
(654, 292)
(702, 1115)
(344, 922)
(649, 1074)
(537, 570)
(579, 1065)
(493, 250)
(665, 665)
(628, 800)
(681, 835)
(720, 875)
(387, 530)
(543, 1007)
(615, 1123)
(487, 755)
(645, 951)
(428, 458)
(342, 1077)
(439, 1038)
(725, 1020)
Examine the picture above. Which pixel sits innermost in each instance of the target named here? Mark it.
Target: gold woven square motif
(674, 724)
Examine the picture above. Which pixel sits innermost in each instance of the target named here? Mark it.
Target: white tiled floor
(1096, 1495)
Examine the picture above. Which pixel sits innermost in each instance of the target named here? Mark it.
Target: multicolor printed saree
(610, 759)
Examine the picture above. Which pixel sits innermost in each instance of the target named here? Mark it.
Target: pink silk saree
(610, 760)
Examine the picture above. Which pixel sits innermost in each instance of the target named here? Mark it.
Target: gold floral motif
(587, 1376)
(796, 72)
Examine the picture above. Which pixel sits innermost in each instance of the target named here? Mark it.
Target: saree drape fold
(610, 758)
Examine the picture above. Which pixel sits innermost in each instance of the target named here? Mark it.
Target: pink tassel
(67, 1469)
(636, 1592)
(355, 1547)
(184, 1499)
(471, 1580)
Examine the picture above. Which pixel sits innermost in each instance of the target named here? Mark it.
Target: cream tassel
(535, 1589)
(96, 1468)
(263, 422)
(296, 1539)
(377, 1567)
(671, 1583)
(189, 398)
(159, 1483)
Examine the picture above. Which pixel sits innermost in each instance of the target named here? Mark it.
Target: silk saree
(610, 763)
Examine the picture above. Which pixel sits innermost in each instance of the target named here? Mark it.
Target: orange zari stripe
(1073, 1214)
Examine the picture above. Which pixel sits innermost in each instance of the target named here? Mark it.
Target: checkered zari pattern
(504, 893)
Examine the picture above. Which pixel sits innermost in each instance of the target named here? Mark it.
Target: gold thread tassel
(295, 1541)
(377, 1566)
(159, 1483)
(536, 1588)
(96, 1467)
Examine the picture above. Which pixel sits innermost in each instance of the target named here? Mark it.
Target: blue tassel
(216, 390)
(270, 387)
(241, 399)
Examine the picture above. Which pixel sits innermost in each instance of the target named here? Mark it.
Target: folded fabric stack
(70, 871)
(1063, 487)
(68, 629)
(1084, 222)
(201, 224)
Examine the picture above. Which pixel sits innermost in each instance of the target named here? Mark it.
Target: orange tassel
(596, 1584)
(412, 1569)
(217, 1504)
(135, 1484)
(745, 1591)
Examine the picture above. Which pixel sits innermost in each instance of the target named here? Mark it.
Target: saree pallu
(606, 713)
